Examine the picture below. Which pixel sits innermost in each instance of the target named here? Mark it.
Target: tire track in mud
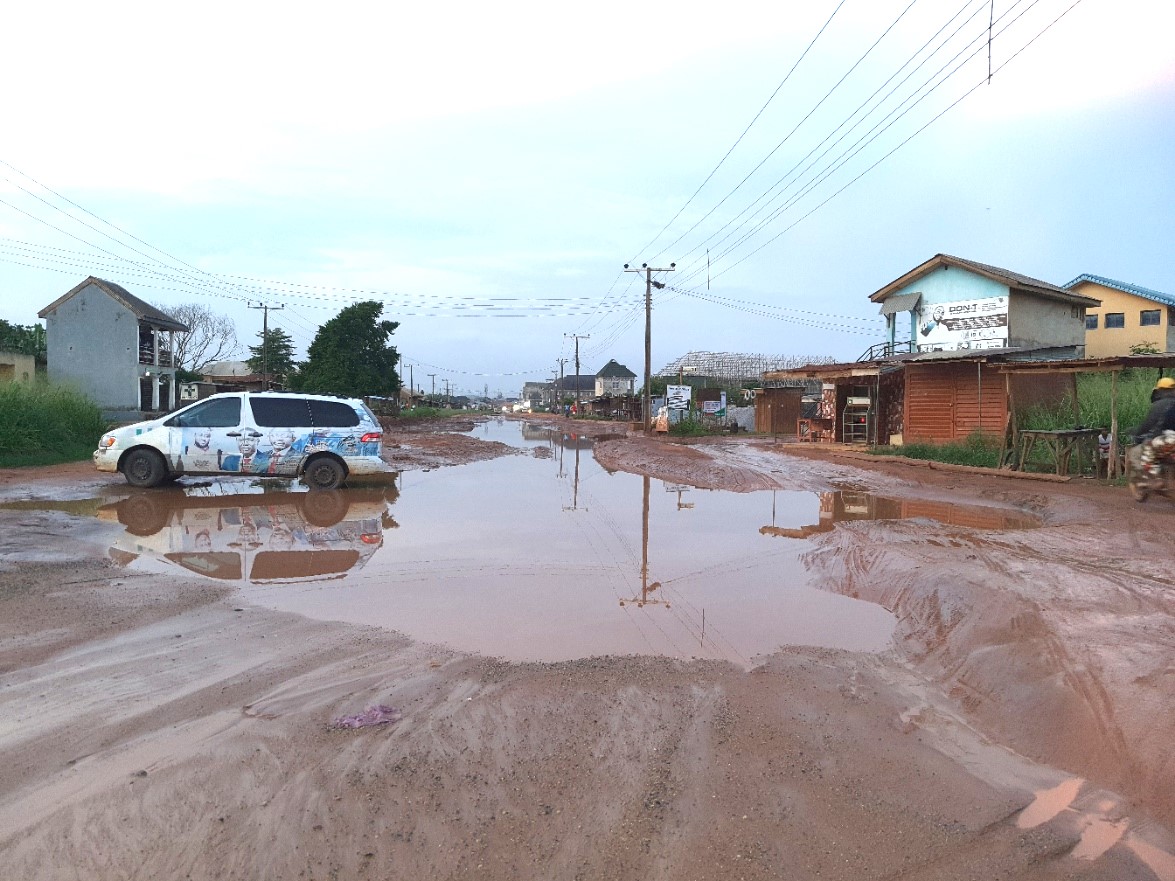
(1023, 644)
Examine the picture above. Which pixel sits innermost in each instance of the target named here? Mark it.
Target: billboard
(964, 324)
(678, 397)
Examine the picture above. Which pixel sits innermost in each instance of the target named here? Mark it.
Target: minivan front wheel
(324, 473)
(144, 468)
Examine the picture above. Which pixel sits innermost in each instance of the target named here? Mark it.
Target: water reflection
(847, 505)
(223, 531)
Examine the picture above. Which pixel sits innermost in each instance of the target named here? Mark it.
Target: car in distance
(321, 439)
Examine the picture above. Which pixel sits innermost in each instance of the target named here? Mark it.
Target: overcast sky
(485, 170)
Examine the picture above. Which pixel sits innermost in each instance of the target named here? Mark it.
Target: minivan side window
(220, 413)
(332, 414)
(280, 412)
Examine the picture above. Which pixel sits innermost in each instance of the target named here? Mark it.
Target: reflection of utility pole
(265, 339)
(646, 588)
(577, 337)
(648, 270)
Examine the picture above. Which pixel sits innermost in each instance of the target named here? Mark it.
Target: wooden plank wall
(943, 402)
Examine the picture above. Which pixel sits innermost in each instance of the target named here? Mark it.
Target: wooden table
(1061, 445)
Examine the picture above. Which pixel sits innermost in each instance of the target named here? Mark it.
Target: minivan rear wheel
(144, 468)
(324, 473)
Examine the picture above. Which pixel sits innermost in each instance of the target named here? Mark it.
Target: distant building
(614, 379)
(114, 347)
(15, 367)
(1129, 316)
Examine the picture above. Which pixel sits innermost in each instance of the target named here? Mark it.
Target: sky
(486, 171)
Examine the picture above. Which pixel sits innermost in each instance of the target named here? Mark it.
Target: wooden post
(1112, 465)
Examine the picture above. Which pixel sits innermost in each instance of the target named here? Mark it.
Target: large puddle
(544, 556)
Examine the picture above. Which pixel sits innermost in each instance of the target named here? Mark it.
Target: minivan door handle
(233, 433)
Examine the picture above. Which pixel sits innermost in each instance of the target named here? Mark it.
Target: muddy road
(587, 657)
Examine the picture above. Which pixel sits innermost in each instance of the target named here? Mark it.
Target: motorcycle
(1144, 483)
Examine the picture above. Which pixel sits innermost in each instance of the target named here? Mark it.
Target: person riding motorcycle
(1157, 432)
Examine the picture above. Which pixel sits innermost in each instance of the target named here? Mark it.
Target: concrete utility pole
(646, 401)
(433, 377)
(265, 339)
(562, 361)
(577, 337)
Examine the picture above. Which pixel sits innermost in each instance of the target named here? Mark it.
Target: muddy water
(539, 556)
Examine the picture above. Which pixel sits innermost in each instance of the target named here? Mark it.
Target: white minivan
(323, 440)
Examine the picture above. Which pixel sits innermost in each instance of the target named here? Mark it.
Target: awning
(900, 303)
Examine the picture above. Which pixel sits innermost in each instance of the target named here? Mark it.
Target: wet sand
(157, 727)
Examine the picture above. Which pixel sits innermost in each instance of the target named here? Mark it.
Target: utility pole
(448, 396)
(265, 339)
(577, 337)
(562, 361)
(433, 393)
(646, 402)
(411, 385)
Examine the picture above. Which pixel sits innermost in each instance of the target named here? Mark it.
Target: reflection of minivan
(271, 537)
(321, 439)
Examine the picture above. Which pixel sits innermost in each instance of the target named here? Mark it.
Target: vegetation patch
(979, 450)
(43, 424)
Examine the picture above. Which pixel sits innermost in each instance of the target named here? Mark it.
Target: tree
(273, 355)
(210, 337)
(350, 355)
(23, 339)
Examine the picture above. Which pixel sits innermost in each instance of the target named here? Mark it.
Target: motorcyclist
(1157, 432)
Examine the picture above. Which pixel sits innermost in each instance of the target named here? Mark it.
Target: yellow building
(1129, 318)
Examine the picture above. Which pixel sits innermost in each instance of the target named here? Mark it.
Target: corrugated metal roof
(900, 303)
(1014, 280)
(143, 311)
(1125, 287)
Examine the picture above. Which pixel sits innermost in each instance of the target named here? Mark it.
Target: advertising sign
(715, 408)
(965, 324)
(678, 397)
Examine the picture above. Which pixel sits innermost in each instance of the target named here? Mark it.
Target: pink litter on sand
(375, 715)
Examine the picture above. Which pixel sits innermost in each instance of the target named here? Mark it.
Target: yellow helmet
(1165, 382)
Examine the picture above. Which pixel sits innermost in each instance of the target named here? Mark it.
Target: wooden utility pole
(265, 339)
(577, 337)
(646, 400)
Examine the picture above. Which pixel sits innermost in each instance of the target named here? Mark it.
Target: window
(332, 414)
(1091, 322)
(1115, 319)
(280, 412)
(1150, 318)
(218, 413)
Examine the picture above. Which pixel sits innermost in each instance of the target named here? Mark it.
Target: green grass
(431, 413)
(44, 424)
(1093, 397)
(982, 451)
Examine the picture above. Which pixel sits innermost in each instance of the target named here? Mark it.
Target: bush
(689, 427)
(42, 424)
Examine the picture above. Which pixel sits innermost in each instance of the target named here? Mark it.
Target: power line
(739, 139)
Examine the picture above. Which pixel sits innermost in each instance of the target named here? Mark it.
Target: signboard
(715, 408)
(964, 324)
(678, 396)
